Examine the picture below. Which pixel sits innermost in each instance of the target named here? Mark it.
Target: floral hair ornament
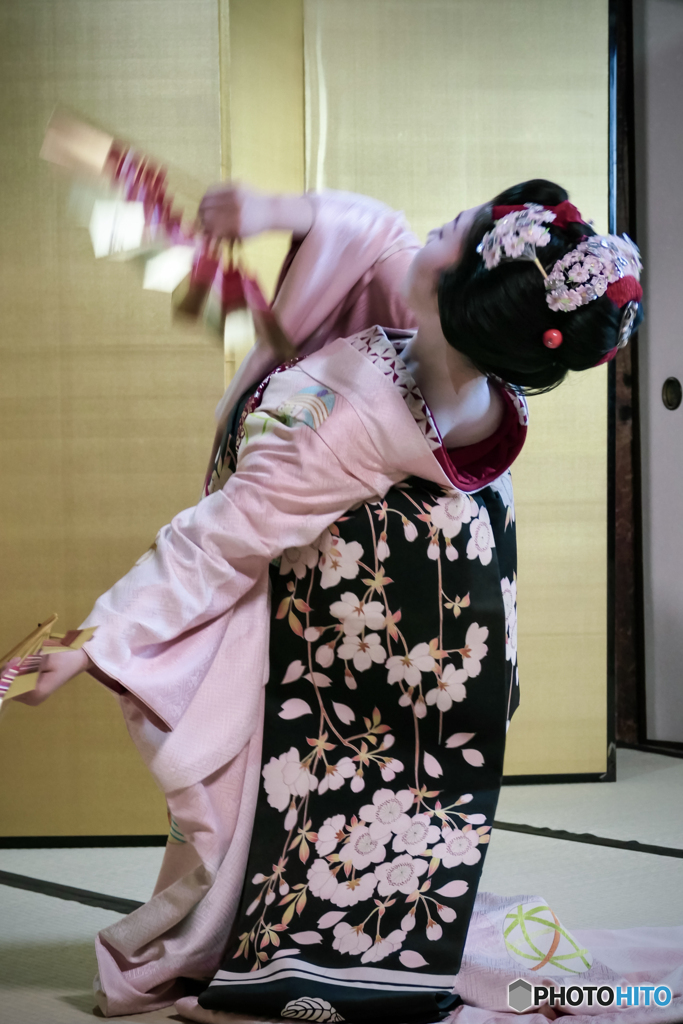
(600, 265)
(565, 213)
(516, 236)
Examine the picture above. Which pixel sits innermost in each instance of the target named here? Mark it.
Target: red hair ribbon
(621, 292)
(626, 289)
(565, 213)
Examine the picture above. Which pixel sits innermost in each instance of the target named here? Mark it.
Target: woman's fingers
(220, 212)
(55, 670)
(232, 211)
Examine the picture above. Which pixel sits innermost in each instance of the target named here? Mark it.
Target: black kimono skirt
(393, 674)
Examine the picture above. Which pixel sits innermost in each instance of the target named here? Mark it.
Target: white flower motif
(410, 666)
(357, 782)
(417, 837)
(481, 538)
(451, 552)
(408, 922)
(503, 486)
(321, 881)
(298, 560)
(511, 640)
(324, 655)
(285, 777)
(402, 875)
(457, 848)
(330, 833)
(383, 947)
(509, 590)
(363, 650)
(386, 814)
(335, 774)
(451, 687)
(433, 550)
(357, 616)
(409, 530)
(351, 940)
(390, 768)
(350, 891)
(474, 650)
(450, 512)
(434, 930)
(383, 551)
(362, 849)
(338, 560)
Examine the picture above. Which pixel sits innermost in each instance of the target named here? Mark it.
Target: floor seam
(69, 892)
(123, 906)
(587, 837)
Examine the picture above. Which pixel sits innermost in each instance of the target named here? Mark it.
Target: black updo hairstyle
(497, 317)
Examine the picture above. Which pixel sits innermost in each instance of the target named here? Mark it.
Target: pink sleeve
(292, 481)
(343, 277)
(356, 246)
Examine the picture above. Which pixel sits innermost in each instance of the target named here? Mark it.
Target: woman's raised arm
(233, 211)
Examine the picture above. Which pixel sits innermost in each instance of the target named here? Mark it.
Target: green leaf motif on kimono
(294, 624)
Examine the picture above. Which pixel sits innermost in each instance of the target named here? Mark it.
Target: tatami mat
(645, 803)
(47, 959)
(129, 872)
(587, 886)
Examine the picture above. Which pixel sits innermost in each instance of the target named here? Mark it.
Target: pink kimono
(185, 633)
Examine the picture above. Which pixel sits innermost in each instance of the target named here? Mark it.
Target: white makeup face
(442, 249)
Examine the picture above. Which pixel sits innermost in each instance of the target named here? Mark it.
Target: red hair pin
(552, 338)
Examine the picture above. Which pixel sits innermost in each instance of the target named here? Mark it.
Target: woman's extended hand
(234, 211)
(55, 670)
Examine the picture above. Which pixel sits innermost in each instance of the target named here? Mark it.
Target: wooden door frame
(626, 621)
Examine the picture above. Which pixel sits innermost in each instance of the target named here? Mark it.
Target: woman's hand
(55, 670)
(234, 211)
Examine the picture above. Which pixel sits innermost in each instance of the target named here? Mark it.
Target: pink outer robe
(186, 631)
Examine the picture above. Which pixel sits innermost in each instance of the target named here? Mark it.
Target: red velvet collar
(476, 465)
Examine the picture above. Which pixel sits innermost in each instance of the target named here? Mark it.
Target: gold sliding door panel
(434, 106)
(105, 410)
(262, 90)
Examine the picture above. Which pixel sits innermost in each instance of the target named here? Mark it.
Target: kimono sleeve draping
(344, 276)
(170, 631)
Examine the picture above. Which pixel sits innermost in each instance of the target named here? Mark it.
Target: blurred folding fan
(122, 197)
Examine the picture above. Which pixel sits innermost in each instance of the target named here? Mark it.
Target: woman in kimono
(356, 551)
